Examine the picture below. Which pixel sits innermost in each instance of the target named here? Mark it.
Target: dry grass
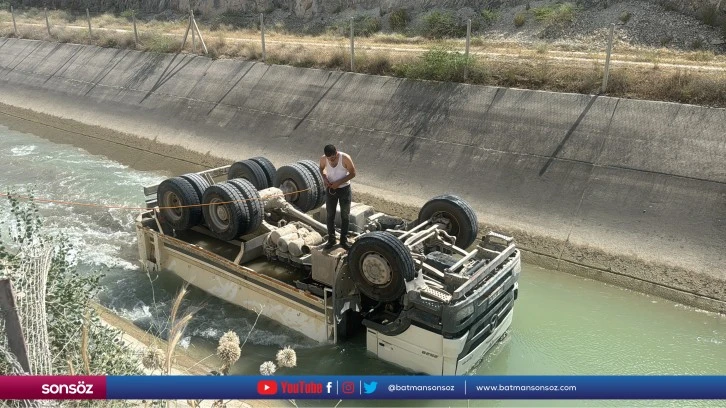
(546, 66)
(178, 325)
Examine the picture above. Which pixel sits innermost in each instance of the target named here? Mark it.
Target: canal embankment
(624, 191)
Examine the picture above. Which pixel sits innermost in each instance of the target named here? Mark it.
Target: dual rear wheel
(233, 208)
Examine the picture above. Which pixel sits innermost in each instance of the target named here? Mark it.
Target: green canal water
(562, 324)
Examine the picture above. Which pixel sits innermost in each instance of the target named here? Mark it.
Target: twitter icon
(369, 388)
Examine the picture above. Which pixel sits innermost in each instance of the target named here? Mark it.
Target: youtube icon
(267, 387)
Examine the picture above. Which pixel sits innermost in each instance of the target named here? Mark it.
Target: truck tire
(178, 192)
(268, 168)
(225, 211)
(314, 169)
(197, 181)
(380, 265)
(248, 170)
(456, 213)
(254, 205)
(298, 185)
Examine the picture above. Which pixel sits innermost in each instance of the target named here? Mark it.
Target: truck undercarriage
(432, 297)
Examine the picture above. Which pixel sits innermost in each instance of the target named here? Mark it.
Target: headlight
(465, 312)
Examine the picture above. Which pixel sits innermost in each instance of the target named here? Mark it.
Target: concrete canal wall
(625, 191)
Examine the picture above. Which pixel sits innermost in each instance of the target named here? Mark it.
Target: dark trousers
(344, 196)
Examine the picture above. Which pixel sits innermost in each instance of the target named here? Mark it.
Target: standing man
(337, 169)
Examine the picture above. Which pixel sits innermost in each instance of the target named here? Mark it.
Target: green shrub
(709, 15)
(367, 25)
(442, 25)
(670, 6)
(520, 19)
(489, 16)
(362, 25)
(127, 14)
(440, 64)
(156, 42)
(68, 299)
(625, 17)
(556, 14)
(398, 20)
(235, 19)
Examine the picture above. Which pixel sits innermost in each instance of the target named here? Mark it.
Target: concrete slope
(632, 192)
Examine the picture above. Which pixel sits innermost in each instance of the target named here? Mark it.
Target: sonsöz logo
(67, 389)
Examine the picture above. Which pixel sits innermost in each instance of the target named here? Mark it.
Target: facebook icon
(329, 386)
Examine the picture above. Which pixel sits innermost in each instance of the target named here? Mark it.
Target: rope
(123, 207)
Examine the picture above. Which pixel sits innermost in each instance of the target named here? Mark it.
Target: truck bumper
(427, 352)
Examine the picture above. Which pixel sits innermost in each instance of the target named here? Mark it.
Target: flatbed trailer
(427, 303)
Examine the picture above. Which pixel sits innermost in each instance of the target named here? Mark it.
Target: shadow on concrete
(164, 79)
(73, 57)
(231, 88)
(568, 134)
(317, 102)
(98, 81)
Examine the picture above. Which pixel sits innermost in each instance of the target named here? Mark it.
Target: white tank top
(338, 172)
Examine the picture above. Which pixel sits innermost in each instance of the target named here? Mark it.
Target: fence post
(15, 27)
(16, 340)
(186, 34)
(199, 33)
(90, 33)
(607, 59)
(466, 54)
(47, 24)
(262, 30)
(136, 35)
(194, 39)
(352, 47)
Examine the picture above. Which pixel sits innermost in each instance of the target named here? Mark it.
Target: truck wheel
(248, 170)
(178, 192)
(268, 168)
(225, 211)
(380, 265)
(456, 214)
(197, 181)
(298, 185)
(314, 169)
(254, 205)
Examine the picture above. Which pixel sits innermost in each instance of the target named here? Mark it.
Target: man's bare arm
(321, 165)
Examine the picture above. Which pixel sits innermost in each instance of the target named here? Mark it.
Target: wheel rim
(219, 214)
(375, 269)
(172, 200)
(290, 189)
(443, 217)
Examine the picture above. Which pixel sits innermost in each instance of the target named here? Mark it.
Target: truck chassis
(426, 302)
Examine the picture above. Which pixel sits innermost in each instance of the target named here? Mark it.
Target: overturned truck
(431, 296)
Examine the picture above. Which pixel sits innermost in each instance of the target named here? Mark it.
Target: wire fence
(605, 65)
(90, 27)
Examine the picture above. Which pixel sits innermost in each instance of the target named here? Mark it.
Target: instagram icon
(348, 387)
